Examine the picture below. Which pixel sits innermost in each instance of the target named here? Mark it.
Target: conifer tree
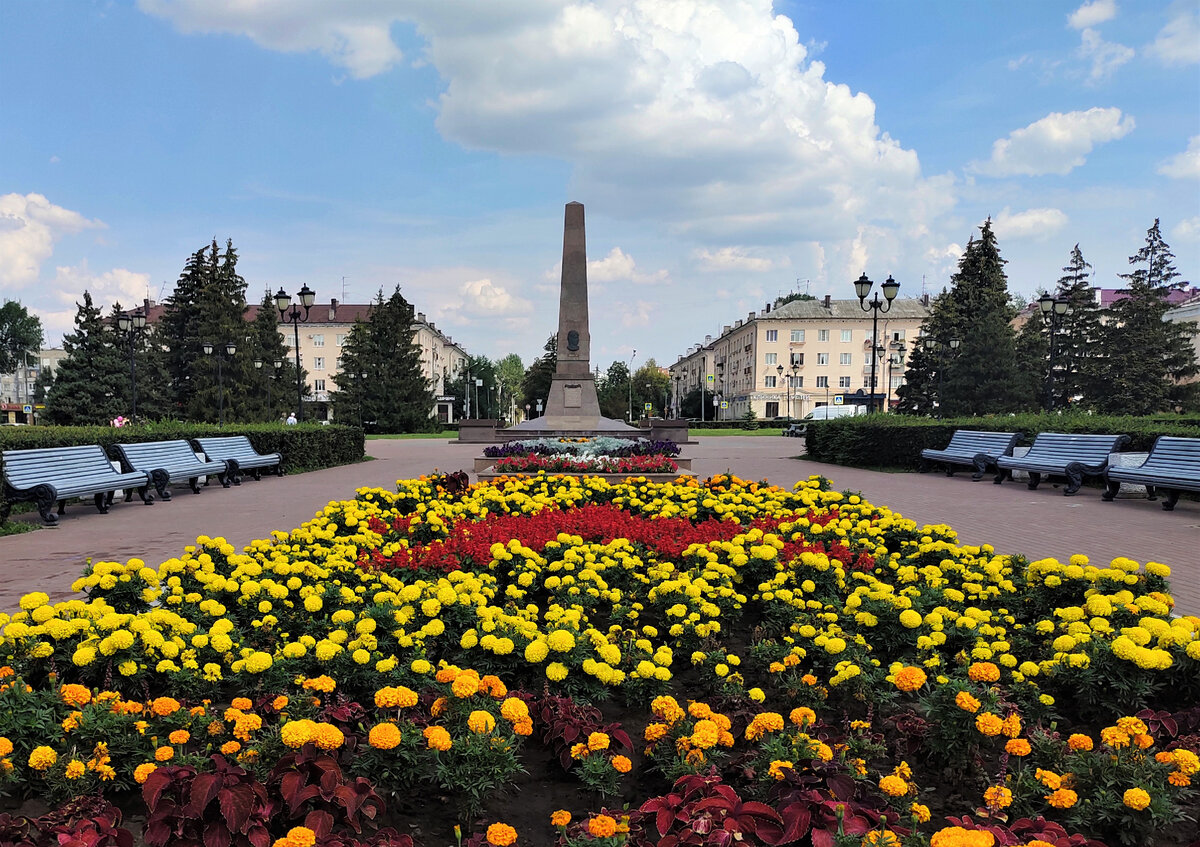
(536, 384)
(153, 393)
(925, 369)
(394, 396)
(1033, 350)
(1078, 337)
(272, 391)
(91, 385)
(1143, 357)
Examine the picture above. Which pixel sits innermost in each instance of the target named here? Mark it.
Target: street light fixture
(306, 297)
(1053, 309)
(132, 323)
(897, 358)
(862, 287)
(792, 388)
(931, 343)
(779, 370)
(230, 349)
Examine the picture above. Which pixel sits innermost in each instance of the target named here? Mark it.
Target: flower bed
(583, 447)
(533, 463)
(720, 657)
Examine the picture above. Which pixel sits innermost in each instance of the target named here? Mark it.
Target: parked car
(822, 413)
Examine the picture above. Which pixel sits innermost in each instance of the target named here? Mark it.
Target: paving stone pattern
(1035, 523)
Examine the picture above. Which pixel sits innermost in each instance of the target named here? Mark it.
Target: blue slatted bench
(1172, 466)
(169, 462)
(1062, 454)
(56, 474)
(975, 449)
(239, 455)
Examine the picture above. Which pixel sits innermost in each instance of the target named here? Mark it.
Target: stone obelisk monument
(571, 405)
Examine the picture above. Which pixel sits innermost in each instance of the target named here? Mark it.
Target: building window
(769, 381)
(822, 382)
(772, 409)
(822, 358)
(772, 335)
(799, 382)
(770, 358)
(822, 335)
(318, 385)
(843, 382)
(897, 381)
(798, 359)
(847, 335)
(898, 335)
(797, 336)
(318, 340)
(341, 338)
(845, 358)
(318, 363)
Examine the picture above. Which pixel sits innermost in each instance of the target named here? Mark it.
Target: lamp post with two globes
(306, 297)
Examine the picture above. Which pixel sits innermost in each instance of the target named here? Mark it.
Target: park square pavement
(1037, 524)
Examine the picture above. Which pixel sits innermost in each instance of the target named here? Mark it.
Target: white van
(824, 413)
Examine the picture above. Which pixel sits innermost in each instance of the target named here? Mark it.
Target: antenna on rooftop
(922, 285)
(343, 289)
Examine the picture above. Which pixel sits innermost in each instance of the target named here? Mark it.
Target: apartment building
(1188, 311)
(799, 356)
(323, 335)
(16, 389)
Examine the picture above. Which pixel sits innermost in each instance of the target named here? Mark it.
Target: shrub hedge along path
(1036, 524)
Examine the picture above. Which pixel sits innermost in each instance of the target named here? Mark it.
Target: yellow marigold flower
(164, 753)
(514, 710)
(437, 738)
(466, 684)
(328, 737)
(501, 835)
(921, 813)
(1018, 747)
(989, 724)
(180, 736)
(762, 724)
(296, 734)
(42, 758)
(877, 838)
(384, 736)
(75, 695)
(597, 741)
(1132, 726)
(602, 826)
(966, 702)
(1187, 761)
(1062, 798)
(300, 836)
(75, 769)
(481, 722)
(560, 818)
(1080, 742)
(956, 836)
(655, 732)
(622, 764)
(242, 703)
(6, 746)
(910, 678)
(1114, 737)
(802, 716)
(997, 797)
(706, 734)
(142, 772)
(1136, 799)
(666, 708)
(893, 786)
(578, 751)
(164, 706)
(1048, 778)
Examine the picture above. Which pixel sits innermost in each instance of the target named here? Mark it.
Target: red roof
(1108, 296)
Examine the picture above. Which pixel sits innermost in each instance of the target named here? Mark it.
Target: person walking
(291, 419)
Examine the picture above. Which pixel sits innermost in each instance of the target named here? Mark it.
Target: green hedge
(897, 440)
(304, 447)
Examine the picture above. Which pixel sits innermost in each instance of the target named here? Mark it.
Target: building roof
(902, 307)
(1175, 296)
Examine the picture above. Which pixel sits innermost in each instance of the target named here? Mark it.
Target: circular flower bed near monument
(583, 447)
(725, 660)
(589, 464)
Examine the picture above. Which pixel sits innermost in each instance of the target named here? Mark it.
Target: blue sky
(726, 150)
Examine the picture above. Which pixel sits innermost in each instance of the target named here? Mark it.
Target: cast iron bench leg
(1001, 473)
(193, 483)
(1035, 479)
(1074, 479)
(1111, 487)
(101, 502)
(161, 480)
(981, 463)
(1151, 494)
(1172, 498)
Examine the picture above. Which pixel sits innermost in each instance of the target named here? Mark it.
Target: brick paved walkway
(1036, 523)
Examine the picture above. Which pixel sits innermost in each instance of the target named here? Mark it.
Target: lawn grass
(16, 527)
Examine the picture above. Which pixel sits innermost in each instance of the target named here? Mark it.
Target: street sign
(724, 404)
(710, 379)
(27, 409)
(838, 400)
(649, 407)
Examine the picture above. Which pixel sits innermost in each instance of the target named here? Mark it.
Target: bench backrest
(1172, 453)
(227, 447)
(977, 441)
(1073, 447)
(149, 455)
(23, 469)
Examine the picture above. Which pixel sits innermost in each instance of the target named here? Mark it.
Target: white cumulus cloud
(1039, 224)
(1105, 56)
(732, 259)
(1187, 229)
(1178, 43)
(119, 285)
(1185, 165)
(1056, 144)
(29, 226)
(1090, 14)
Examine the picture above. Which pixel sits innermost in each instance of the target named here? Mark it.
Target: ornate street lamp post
(792, 388)
(230, 349)
(132, 324)
(897, 358)
(779, 370)
(862, 287)
(1053, 309)
(931, 344)
(306, 297)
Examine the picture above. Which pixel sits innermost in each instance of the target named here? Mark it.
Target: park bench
(972, 448)
(51, 474)
(169, 462)
(1173, 466)
(1062, 454)
(239, 455)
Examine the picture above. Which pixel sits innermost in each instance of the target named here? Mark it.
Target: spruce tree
(394, 396)
(178, 331)
(272, 391)
(91, 386)
(1145, 357)
(536, 384)
(153, 393)
(1033, 351)
(982, 377)
(1078, 336)
(924, 372)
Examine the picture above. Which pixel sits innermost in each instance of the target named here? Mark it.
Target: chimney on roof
(924, 299)
(146, 304)
(767, 309)
(421, 317)
(828, 298)
(333, 304)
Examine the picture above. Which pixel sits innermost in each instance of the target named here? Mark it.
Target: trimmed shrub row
(897, 440)
(304, 447)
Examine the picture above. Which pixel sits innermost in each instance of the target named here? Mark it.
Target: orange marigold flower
(1143, 741)
(966, 702)
(1080, 742)
(6, 746)
(762, 724)
(578, 751)
(997, 797)
(229, 748)
(921, 813)
(802, 716)
(893, 786)
(1132, 726)
(1179, 779)
(439, 706)
(622, 764)
(465, 684)
(180, 736)
(602, 826)
(164, 753)
(597, 741)
(1136, 799)
(910, 678)
(142, 772)
(501, 835)
(399, 697)
(523, 727)
(989, 724)
(437, 738)
(384, 736)
(324, 684)
(301, 836)
(1063, 798)
(328, 737)
(491, 684)
(1115, 737)
(446, 674)
(481, 722)
(983, 672)
(514, 710)
(164, 706)
(560, 818)
(877, 838)
(1048, 778)
(242, 703)
(1018, 747)
(280, 703)
(654, 732)
(75, 695)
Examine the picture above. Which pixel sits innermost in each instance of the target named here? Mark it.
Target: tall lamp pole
(630, 369)
(1053, 309)
(132, 323)
(930, 344)
(897, 358)
(792, 388)
(862, 287)
(779, 370)
(230, 349)
(306, 297)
